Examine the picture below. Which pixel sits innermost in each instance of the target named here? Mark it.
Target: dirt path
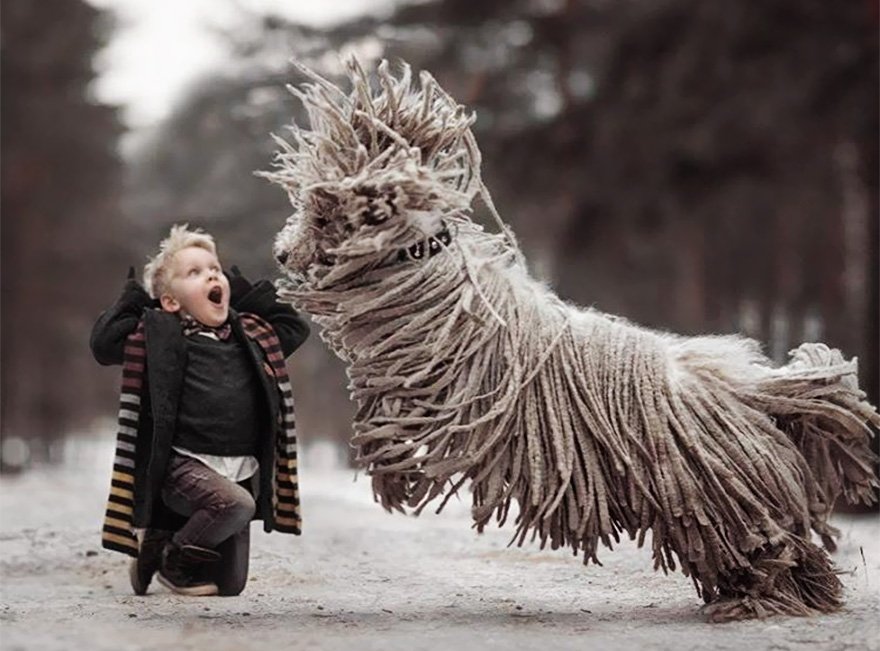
(360, 578)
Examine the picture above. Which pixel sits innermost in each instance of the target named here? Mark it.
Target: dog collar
(426, 248)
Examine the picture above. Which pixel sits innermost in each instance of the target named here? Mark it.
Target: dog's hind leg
(794, 577)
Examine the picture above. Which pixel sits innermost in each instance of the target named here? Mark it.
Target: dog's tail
(815, 399)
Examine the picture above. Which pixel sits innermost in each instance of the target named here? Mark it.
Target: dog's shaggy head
(380, 169)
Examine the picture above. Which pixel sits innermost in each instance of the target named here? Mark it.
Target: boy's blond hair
(157, 272)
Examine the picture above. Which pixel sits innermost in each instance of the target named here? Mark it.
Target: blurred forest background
(695, 166)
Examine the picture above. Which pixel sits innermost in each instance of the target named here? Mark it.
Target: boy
(206, 436)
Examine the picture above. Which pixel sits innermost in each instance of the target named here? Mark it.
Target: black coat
(165, 368)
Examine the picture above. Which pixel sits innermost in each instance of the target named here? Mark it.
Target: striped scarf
(118, 527)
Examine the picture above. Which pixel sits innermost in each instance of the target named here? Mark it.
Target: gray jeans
(219, 513)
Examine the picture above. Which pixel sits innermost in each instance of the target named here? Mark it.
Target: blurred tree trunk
(731, 128)
(60, 185)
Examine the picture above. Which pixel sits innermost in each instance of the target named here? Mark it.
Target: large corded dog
(465, 369)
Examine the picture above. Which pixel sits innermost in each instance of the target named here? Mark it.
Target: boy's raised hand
(115, 324)
(239, 286)
(134, 298)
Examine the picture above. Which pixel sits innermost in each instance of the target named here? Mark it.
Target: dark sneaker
(183, 569)
(149, 560)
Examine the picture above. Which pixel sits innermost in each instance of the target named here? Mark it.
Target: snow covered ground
(361, 578)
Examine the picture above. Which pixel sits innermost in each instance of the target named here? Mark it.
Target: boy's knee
(233, 504)
(243, 507)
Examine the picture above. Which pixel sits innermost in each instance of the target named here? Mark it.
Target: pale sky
(161, 46)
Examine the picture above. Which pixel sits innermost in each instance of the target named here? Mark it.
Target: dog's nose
(282, 257)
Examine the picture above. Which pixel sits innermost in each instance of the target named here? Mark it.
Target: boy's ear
(169, 303)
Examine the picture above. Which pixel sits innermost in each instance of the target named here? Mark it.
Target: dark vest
(220, 399)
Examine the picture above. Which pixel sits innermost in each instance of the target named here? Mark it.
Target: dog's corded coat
(465, 369)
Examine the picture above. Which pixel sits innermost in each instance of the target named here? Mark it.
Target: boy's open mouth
(216, 295)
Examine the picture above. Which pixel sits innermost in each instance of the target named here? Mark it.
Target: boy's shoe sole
(204, 590)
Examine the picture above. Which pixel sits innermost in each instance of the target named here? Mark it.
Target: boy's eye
(192, 272)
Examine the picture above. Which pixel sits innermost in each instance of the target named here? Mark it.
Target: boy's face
(197, 287)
